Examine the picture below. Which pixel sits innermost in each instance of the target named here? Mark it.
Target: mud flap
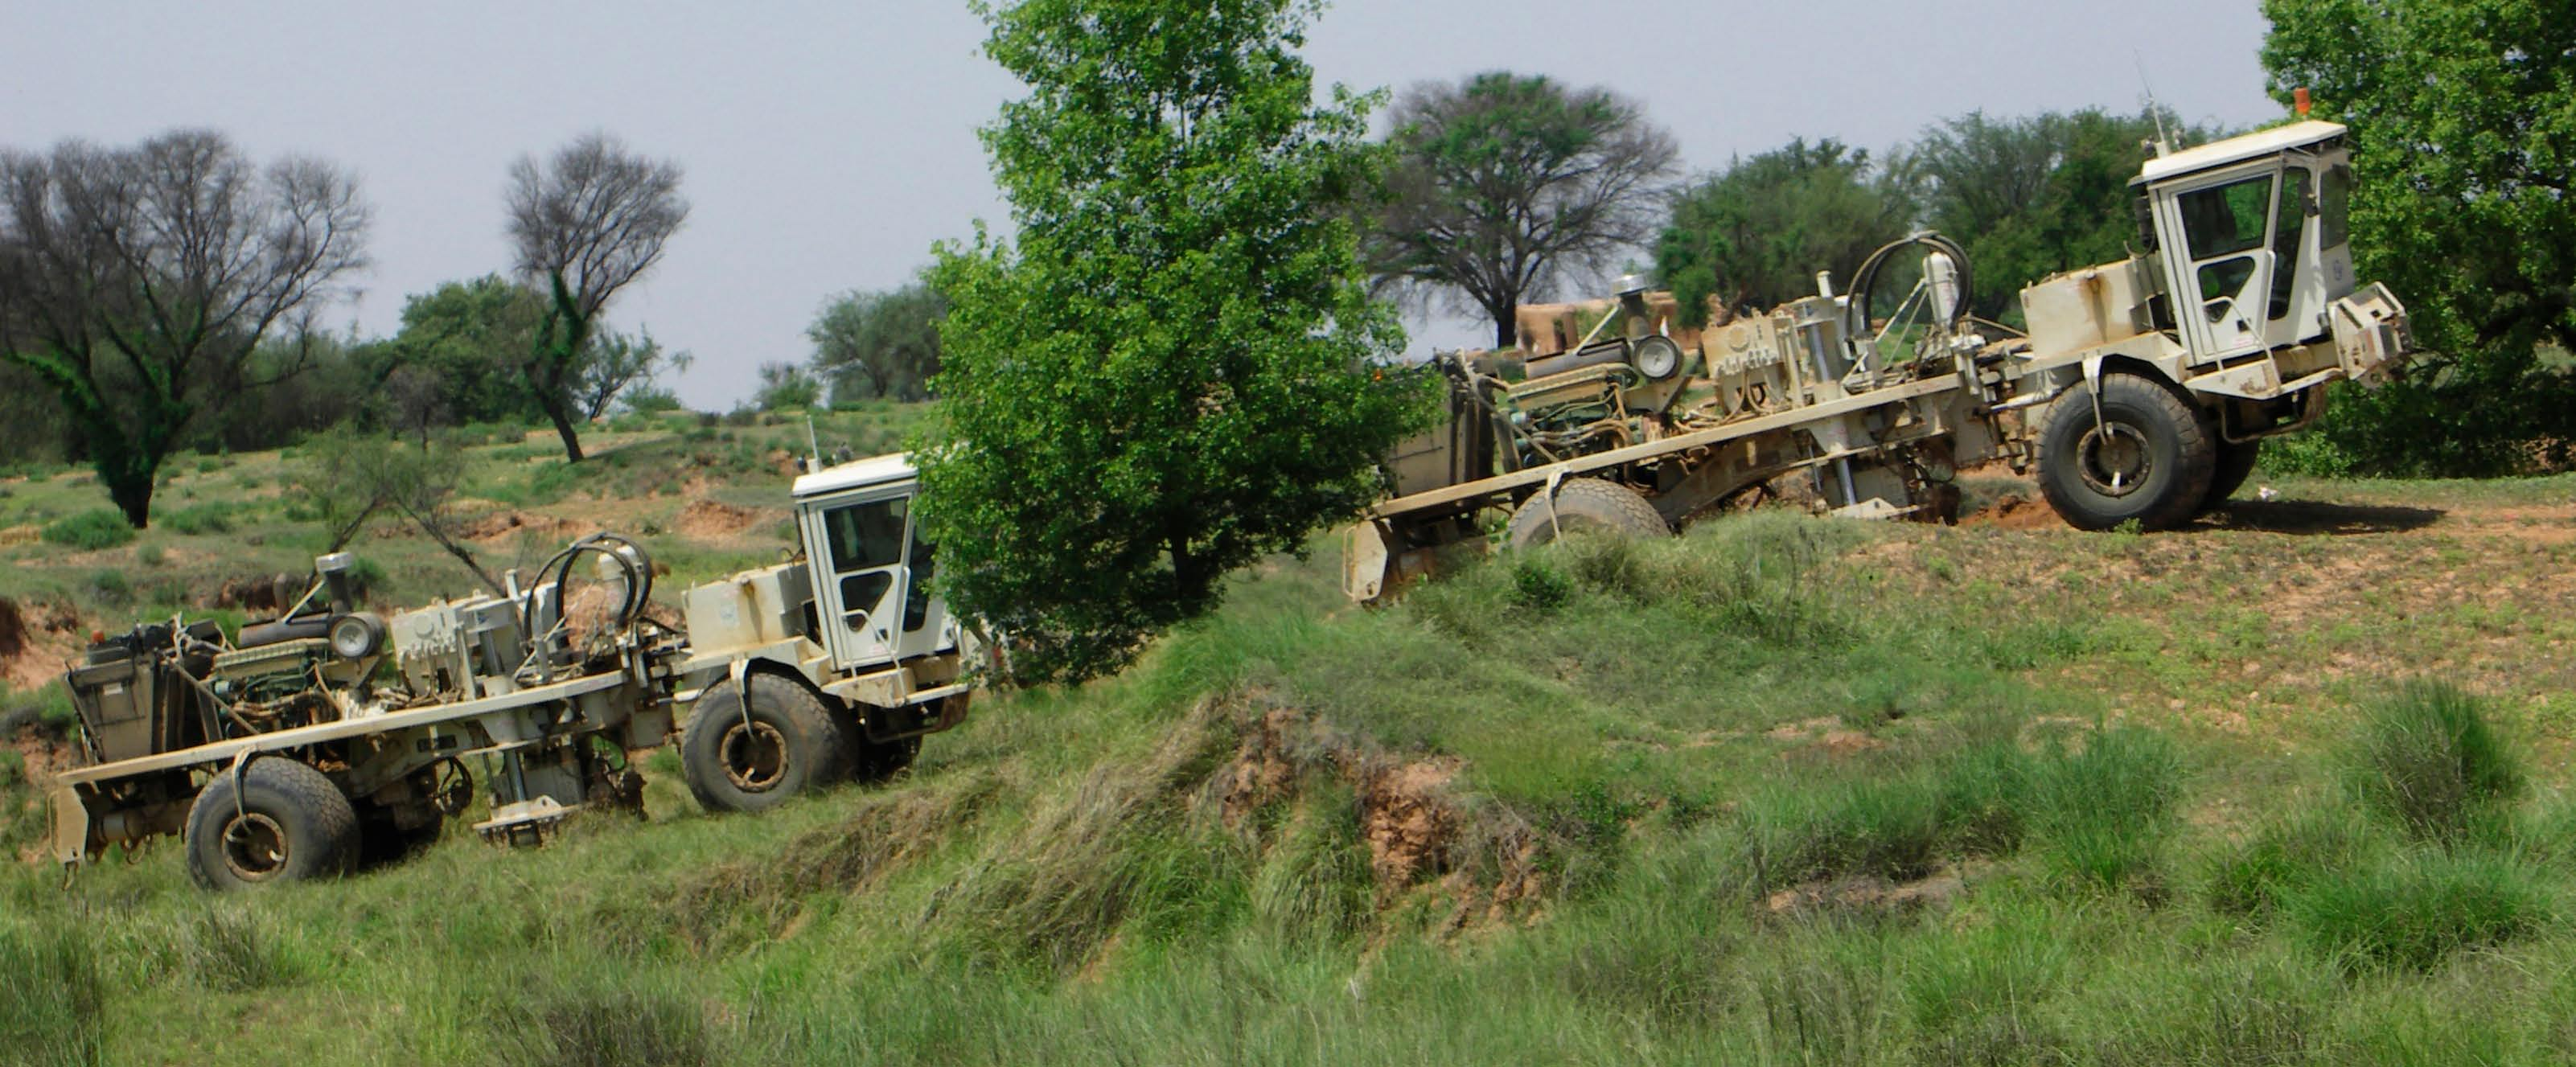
(71, 841)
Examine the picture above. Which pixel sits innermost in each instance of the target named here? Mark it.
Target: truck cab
(2253, 235)
(839, 659)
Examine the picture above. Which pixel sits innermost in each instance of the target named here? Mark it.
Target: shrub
(151, 555)
(90, 531)
(205, 518)
(111, 586)
(2428, 760)
(2414, 913)
(1539, 585)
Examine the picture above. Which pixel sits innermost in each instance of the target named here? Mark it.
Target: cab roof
(856, 474)
(2238, 149)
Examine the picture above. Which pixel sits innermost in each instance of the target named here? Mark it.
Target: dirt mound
(709, 519)
(269, 593)
(1872, 893)
(1418, 829)
(20, 535)
(2013, 511)
(500, 525)
(36, 640)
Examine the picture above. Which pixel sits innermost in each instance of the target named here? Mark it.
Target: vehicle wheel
(284, 823)
(2150, 457)
(1583, 505)
(787, 744)
(2235, 464)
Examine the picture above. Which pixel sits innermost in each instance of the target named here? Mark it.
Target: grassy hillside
(2282, 788)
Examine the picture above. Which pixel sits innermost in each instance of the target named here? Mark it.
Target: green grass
(2166, 779)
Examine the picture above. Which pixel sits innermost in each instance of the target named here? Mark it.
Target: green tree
(586, 224)
(2029, 197)
(471, 336)
(138, 283)
(1504, 183)
(1168, 373)
(1755, 234)
(879, 344)
(786, 385)
(2463, 116)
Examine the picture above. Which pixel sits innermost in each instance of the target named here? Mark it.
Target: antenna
(2164, 145)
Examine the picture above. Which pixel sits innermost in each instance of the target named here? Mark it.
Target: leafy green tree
(1755, 234)
(139, 282)
(2031, 196)
(1505, 183)
(786, 385)
(615, 363)
(586, 224)
(1168, 374)
(2463, 116)
(471, 336)
(879, 344)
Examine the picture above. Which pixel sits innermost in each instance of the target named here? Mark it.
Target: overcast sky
(827, 145)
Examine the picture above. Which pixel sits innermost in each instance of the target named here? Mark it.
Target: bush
(90, 531)
(2428, 760)
(2415, 913)
(2287, 855)
(199, 518)
(1538, 585)
(111, 586)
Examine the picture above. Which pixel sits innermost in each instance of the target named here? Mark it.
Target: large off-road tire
(786, 745)
(1583, 505)
(284, 822)
(2235, 464)
(2150, 458)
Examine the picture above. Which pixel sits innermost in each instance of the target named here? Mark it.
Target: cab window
(2227, 218)
(2334, 196)
(2288, 225)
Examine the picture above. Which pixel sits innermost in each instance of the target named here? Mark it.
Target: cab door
(861, 566)
(2224, 261)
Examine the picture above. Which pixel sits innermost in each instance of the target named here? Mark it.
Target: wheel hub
(254, 846)
(2113, 459)
(755, 756)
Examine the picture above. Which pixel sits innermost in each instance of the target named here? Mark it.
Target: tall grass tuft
(2428, 760)
(2106, 808)
(563, 1026)
(52, 1007)
(2414, 913)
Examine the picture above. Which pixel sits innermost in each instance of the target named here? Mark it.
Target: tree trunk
(563, 427)
(131, 492)
(1507, 334)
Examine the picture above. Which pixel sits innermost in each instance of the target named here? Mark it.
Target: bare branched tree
(586, 224)
(1504, 184)
(137, 283)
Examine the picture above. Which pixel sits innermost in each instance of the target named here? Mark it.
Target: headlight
(1656, 357)
(357, 636)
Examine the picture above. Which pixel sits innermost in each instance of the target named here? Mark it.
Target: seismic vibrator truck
(302, 743)
(2140, 392)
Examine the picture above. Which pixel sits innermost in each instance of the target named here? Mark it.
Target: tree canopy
(1755, 234)
(883, 344)
(1504, 183)
(1168, 372)
(2464, 139)
(138, 284)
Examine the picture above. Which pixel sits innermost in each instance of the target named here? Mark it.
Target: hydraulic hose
(1856, 317)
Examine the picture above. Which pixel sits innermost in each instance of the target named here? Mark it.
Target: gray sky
(827, 145)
